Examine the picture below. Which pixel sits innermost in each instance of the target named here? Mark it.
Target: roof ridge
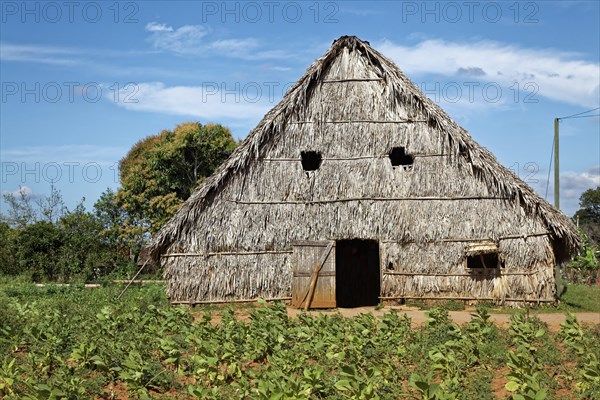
(275, 120)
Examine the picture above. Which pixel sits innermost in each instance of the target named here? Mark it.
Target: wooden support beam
(464, 298)
(227, 253)
(492, 272)
(426, 198)
(194, 302)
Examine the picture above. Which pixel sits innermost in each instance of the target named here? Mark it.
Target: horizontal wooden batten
(360, 121)
(351, 80)
(248, 253)
(183, 255)
(459, 240)
(312, 243)
(308, 274)
(227, 253)
(194, 302)
(323, 159)
(428, 198)
(465, 298)
(371, 157)
(493, 272)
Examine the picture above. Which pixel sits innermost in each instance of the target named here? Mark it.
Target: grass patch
(574, 298)
(580, 298)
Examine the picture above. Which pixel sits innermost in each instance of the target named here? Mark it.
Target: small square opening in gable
(311, 160)
(399, 158)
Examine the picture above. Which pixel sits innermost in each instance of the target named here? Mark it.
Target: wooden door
(313, 262)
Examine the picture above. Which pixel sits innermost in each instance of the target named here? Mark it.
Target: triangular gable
(484, 165)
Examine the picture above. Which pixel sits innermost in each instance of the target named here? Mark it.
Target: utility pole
(556, 171)
(560, 288)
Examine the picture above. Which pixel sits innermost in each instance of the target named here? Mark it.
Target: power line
(583, 116)
(555, 150)
(581, 113)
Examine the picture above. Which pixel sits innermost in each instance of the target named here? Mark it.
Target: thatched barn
(359, 185)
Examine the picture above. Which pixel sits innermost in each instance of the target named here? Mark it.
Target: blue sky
(83, 81)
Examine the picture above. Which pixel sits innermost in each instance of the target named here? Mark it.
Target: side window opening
(399, 158)
(311, 160)
(483, 261)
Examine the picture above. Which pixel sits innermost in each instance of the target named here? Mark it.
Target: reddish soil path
(418, 316)
(460, 317)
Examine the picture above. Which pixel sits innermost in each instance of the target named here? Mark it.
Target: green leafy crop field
(76, 343)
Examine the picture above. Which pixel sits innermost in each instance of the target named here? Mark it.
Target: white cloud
(263, 55)
(193, 40)
(234, 44)
(558, 75)
(65, 166)
(184, 40)
(22, 191)
(157, 27)
(279, 68)
(573, 184)
(74, 57)
(102, 155)
(40, 54)
(213, 101)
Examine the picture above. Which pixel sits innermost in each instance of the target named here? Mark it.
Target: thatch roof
(401, 91)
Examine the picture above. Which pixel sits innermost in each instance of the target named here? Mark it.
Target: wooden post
(133, 279)
(313, 284)
(556, 166)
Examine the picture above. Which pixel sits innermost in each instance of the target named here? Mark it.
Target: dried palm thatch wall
(232, 238)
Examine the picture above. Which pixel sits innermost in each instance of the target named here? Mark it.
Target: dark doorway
(357, 276)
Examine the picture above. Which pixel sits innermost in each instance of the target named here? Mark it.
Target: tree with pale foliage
(20, 210)
(45, 240)
(161, 171)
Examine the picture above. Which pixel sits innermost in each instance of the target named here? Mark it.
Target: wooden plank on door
(305, 256)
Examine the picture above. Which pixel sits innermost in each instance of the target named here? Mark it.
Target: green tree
(162, 171)
(114, 222)
(8, 256)
(38, 250)
(50, 242)
(109, 215)
(120, 232)
(590, 200)
(20, 209)
(83, 252)
(588, 216)
(586, 264)
(20, 215)
(51, 207)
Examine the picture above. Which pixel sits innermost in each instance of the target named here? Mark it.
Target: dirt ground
(460, 317)
(418, 316)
